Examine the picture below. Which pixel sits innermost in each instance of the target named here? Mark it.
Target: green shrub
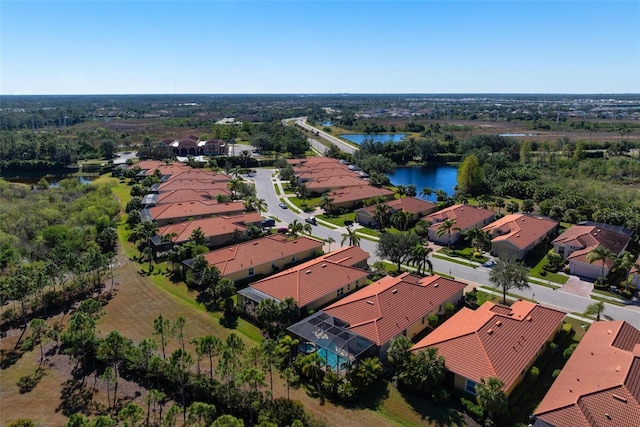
(433, 320)
(472, 408)
(556, 373)
(534, 373)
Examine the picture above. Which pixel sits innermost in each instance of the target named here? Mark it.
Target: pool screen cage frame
(325, 332)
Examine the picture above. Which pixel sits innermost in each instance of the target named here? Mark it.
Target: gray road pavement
(347, 148)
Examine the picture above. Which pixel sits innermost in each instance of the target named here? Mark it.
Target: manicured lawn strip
(368, 231)
(608, 301)
(541, 283)
(278, 192)
(309, 203)
(338, 220)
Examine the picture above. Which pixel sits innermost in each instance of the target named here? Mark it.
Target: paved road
(478, 276)
(343, 146)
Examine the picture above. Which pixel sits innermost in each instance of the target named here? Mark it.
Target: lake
(441, 177)
(359, 138)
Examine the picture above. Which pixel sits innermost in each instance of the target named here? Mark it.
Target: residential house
(465, 217)
(600, 383)
(182, 195)
(519, 233)
(178, 212)
(576, 243)
(312, 284)
(194, 146)
(217, 231)
(493, 341)
(261, 257)
(396, 306)
(415, 206)
(334, 182)
(353, 197)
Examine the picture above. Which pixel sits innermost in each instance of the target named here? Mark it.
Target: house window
(470, 387)
(251, 271)
(340, 292)
(404, 333)
(423, 320)
(293, 258)
(273, 264)
(348, 286)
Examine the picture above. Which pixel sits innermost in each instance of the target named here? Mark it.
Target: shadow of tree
(442, 414)
(372, 398)
(76, 397)
(29, 382)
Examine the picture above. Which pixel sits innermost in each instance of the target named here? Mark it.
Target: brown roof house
(334, 182)
(178, 212)
(493, 341)
(576, 243)
(600, 383)
(261, 257)
(312, 284)
(465, 217)
(217, 230)
(517, 234)
(417, 207)
(353, 197)
(194, 146)
(365, 322)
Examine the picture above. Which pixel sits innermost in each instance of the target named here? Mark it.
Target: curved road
(343, 146)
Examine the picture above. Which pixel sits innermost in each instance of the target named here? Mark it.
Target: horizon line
(327, 94)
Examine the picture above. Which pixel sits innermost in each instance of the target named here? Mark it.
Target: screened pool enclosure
(331, 338)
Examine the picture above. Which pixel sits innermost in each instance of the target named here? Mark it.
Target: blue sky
(129, 47)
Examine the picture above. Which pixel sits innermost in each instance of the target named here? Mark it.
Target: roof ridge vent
(369, 302)
(435, 285)
(324, 265)
(498, 322)
(490, 331)
(529, 319)
(620, 398)
(395, 291)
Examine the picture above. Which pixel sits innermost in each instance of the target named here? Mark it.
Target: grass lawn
(306, 205)
(536, 259)
(339, 219)
(368, 231)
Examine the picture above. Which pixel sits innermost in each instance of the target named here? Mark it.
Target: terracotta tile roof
(384, 309)
(521, 230)
(201, 174)
(350, 255)
(257, 252)
(195, 184)
(187, 195)
(314, 161)
(192, 209)
(335, 181)
(600, 384)
(315, 174)
(407, 204)
(466, 216)
(591, 235)
(310, 281)
(354, 194)
(217, 226)
(491, 342)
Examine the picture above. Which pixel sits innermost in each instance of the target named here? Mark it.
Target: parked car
(268, 222)
(283, 205)
(282, 230)
(311, 220)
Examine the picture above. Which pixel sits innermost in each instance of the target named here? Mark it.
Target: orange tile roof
(349, 255)
(315, 174)
(257, 252)
(521, 230)
(384, 309)
(493, 341)
(407, 204)
(195, 184)
(201, 174)
(335, 181)
(194, 209)
(216, 226)
(354, 194)
(466, 216)
(187, 195)
(600, 383)
(310, 281)
(314, 161)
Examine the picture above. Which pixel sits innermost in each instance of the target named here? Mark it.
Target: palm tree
(595, 309)
(329, 240)
(382, 215)
(312, 368)
(307, 228)
(600, 253)
(426, 192)
(246, 155)
(626, 263)
(350, 236)
(295, 227)
(478, 238)
(197, 236)
(419, 257)
(447, 226)
(401, 190)
(491, 397)
(326, 203)
(401, 219)
(234, 184)
(259, 204)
